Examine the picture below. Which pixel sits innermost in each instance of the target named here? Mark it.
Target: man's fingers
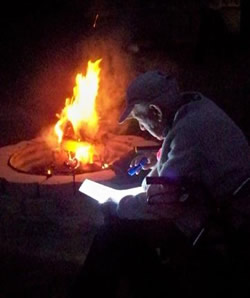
(135, 162)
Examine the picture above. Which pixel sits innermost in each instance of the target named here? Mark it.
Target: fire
(83, 150)
(80, 113)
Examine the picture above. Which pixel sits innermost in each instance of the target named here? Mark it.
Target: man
(200, 143)
(204, 157)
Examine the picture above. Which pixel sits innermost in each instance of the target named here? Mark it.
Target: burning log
(76, 146)
(68, 130)
(80, 152)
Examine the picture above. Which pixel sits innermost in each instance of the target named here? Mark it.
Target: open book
(103, 193)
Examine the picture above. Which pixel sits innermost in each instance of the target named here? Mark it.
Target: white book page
(102, 193)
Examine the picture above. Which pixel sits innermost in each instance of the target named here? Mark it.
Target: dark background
(39, 52)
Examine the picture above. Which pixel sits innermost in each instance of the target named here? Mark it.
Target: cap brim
(125, 114)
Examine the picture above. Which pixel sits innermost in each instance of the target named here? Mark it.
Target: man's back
(213, 148)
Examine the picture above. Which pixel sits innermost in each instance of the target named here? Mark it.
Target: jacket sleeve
(153, 173)
(183, 156)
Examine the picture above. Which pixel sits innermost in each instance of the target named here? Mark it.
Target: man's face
(149, 121)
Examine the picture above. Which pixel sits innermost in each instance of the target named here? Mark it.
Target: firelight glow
(82, 150)
(80, 111)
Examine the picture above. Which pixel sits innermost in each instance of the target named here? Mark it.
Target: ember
(96, 17)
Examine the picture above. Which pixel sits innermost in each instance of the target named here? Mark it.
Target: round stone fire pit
(38, 159)
(19, 167)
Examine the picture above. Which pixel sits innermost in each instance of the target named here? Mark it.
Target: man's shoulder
(196, 99)
(199, 114)
(198, 107)
(193, 107)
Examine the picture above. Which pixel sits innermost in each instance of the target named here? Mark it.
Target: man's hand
(135, 208)
(151, 161)
(160, 194)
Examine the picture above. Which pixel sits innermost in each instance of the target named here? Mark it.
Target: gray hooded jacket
(202, 144)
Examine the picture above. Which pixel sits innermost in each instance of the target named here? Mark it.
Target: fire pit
(37, 158)
(25, 167)
(75, 144)
(79, 142)
(78, 146)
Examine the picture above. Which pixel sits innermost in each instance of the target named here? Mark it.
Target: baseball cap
(149, 87)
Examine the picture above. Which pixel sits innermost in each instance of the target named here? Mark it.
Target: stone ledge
(20, 184)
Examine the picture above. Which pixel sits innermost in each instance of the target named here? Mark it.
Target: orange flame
(81, 113)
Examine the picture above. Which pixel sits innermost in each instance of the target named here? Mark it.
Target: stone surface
(15, 183)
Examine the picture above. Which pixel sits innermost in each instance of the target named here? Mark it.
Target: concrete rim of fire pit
(13, 182)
